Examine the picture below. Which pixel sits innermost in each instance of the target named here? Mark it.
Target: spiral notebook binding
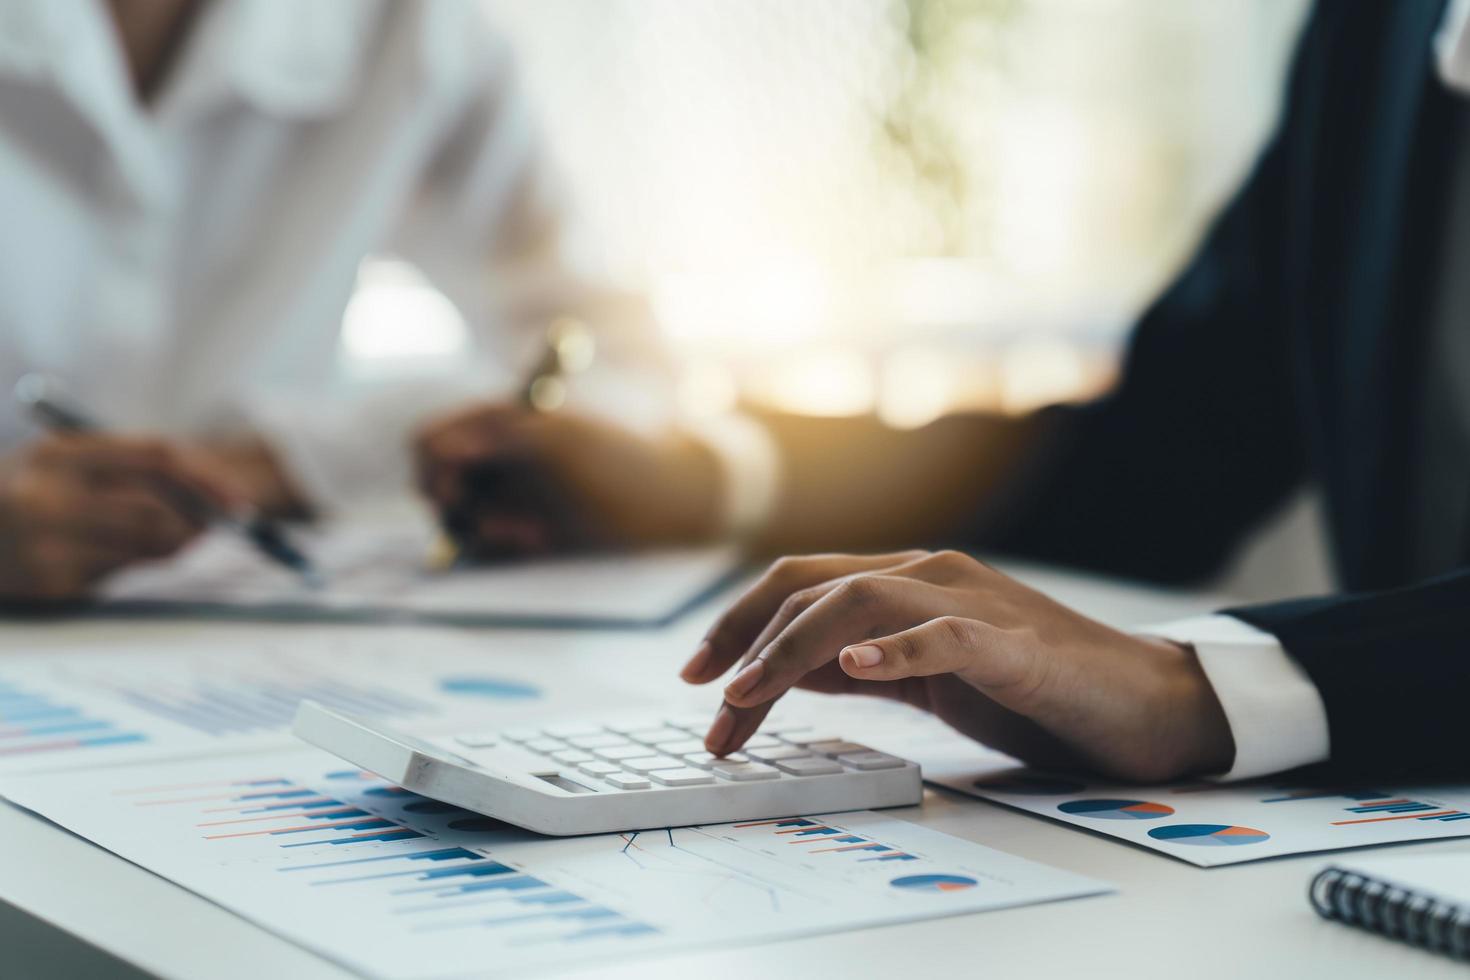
(1410, 917)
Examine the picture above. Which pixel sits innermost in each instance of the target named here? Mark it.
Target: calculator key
(810, 737)
(809, 766)
(598, 768)
(568, 729)
(682, 748)
(694, 722)
(658, 735)
(870, 760)
(745, 772)
(759, 741)
(599, 741)
(634, 725)
(572, 756)
(680, 777)
(484, 740)
(616, 753)
(545, 745)
(833, 749)
(779, 752)
(623, 780)
(649, 763)
(520, 734)
(701, 760)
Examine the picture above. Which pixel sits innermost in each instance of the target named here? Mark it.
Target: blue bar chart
(33, 723)
(394, 885)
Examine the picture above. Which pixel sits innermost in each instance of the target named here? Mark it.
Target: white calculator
(628, 774)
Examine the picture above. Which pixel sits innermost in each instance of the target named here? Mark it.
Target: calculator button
(484, 740)
(634, 725)
(599, 741)
(623, 780)
(649, 763)
(809, 766)
(870, 760)
(745, 772)
(759, 741)
(701, 760)
(681, 777)
(779, 752)
(658, 735)
(682, 748)
(572, 756)
(520, 734)
(569, 729)
(810, 737)
(617, 753)
(598, 768)
(544, 745)
(833, 749)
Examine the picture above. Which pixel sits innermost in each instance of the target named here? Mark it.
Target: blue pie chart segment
(489, 687)
(1209, 835)
(934, 883)
(1117, 809)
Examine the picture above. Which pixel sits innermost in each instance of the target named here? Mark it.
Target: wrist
(692, 478)
(1197, 732)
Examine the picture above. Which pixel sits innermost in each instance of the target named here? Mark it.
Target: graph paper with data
(1211, 824)
(397, 885)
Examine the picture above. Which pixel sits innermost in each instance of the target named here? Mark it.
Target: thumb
(946, 645)
(989, 659)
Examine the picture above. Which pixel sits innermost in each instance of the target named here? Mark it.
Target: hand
(510, 482)
(994, 659)
(75, 507)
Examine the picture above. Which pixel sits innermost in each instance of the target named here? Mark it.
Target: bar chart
(395, 885)
(145, 704)
(33, 723)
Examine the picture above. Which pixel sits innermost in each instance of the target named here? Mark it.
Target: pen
(568, 348)
(37, 394)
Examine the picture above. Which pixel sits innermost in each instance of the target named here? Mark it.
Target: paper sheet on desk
(1212, 824)
(130, 700)
(1203, 823)
(398, 886)
(378, 567)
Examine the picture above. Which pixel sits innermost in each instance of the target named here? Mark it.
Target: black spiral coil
(1409, 917)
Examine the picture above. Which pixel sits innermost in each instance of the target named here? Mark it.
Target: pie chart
(934, 883)
(1209, 835)
(1117, 809)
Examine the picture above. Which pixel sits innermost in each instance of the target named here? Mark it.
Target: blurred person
(1320, 335)
(189, 189)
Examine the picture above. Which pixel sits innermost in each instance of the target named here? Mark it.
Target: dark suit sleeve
(1393, 670)
(1203, 436)
(1199, 441)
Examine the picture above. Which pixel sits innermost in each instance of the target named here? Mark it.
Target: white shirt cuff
(1275, 712)
(751, 465)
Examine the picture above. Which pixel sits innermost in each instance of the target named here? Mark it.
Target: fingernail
(694, 669)
(864, 656)
(745, 681)
(720, 731)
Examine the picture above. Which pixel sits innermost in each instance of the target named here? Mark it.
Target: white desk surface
(1167, 920)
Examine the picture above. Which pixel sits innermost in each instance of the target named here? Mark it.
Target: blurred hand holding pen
(193, 500)
(525, 501)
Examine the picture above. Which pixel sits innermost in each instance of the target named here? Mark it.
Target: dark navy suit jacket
(1290, 351)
